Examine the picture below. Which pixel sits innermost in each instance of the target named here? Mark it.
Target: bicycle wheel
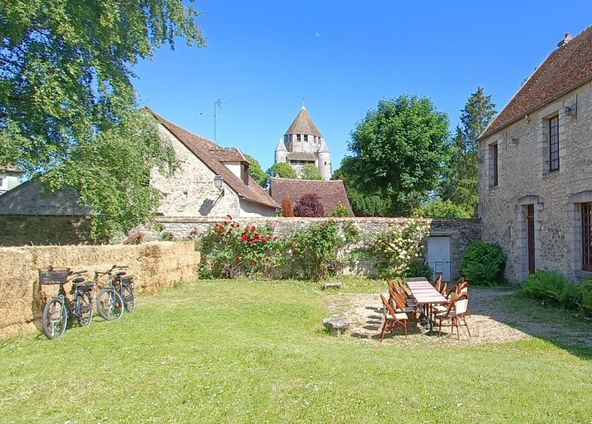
(129, 300)
(109, 304)
(84, 309)
(55, 318)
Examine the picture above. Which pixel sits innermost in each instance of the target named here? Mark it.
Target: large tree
(398, 151)
(281, 170)
(256, 172)
(65, 86)
(460, 177)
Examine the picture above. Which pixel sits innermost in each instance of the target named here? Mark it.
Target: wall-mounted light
(219, 183)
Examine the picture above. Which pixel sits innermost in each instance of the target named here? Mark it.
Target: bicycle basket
(128, 279)
(53, 275)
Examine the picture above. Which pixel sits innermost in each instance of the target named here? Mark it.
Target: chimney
(565, 40)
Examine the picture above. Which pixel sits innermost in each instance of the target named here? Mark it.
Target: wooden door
(530, 237)
(439, 256)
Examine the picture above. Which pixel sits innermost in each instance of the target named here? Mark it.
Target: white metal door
(439, 256)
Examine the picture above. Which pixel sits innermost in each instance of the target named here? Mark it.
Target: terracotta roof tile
(330, 192)
(207, 151)
(563, 70)
(228, 154)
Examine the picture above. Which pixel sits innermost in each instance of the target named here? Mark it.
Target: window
(3, 183)
(587, 236)
(554, 144)
(493, 166)
(297, 137)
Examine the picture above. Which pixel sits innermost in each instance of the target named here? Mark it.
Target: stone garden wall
(461, 232)
(156, 265)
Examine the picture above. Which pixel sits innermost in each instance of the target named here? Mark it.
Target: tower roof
(281, 147)
(303, 124)
(323, 148)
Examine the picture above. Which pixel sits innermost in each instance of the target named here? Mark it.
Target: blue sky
(264, 57)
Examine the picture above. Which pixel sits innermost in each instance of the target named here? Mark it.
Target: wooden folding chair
(455, 313)
(398, 302)
(392, 319)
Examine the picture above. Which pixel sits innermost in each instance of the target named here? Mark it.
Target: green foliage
(443, 209)
(314, 249)
(66, 97)
(460, 175)
(419, 268)
(396, 250)
(397, 150)
(340, 211)
(166, 236)
(545, 285)
(585, 293)
(483, 263)
(256, 172)
(229, 251)
(111, 174)
(281, 170)
(311, 172)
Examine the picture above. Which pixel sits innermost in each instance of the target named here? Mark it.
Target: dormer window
(245, 173)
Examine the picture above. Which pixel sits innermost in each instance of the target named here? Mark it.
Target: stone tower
(303, 144)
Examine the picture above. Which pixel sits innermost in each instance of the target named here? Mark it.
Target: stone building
(211, 181)
(192, 190)
(302, 145)
(535, 168)
(10, 177)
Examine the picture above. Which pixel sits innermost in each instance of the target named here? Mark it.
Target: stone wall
(190, 191)
(19, 230)
(156, 265)
(461, 232)
(524, 179)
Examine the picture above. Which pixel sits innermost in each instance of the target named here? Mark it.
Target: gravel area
(490, 321)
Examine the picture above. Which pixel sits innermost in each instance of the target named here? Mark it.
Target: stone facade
(460, 232)
(524, 179)
(190, 191)
(40, 230)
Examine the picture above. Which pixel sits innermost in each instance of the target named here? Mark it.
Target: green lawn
(225, 351)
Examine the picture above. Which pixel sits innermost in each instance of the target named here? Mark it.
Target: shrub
(483, 263)
(394, 250)
(229, 251)
(313, 250)
(309, 205)
(167, 236)
(585, 296)
(339, 211)
(287, 208)
(134, 238)
(543, 285)
(419, 268)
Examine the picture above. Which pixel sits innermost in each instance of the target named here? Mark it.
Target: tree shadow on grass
(560, 327)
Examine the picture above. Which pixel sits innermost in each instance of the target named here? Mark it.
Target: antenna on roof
(217, 104)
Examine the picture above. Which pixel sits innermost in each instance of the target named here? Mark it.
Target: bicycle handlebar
(79, 272)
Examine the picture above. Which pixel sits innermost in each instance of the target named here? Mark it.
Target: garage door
(439, 256)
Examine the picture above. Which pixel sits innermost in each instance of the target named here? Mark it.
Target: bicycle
(54, 318)
(110, 305)
(124, 286)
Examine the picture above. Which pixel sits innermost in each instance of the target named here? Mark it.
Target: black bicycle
(110, 304)
(60, 308)
(124, 284)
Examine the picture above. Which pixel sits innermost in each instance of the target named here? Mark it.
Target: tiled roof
(303, 156)
(330, 192)
(207, 151)
(303, 124)
(228, 154)
(566, 68)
